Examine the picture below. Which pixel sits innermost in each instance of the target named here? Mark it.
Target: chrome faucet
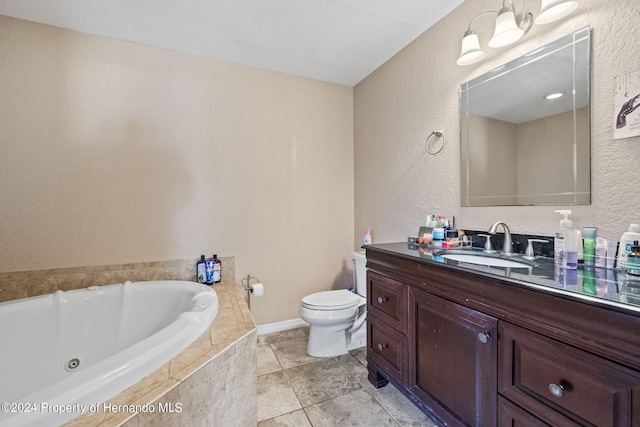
(506, 247)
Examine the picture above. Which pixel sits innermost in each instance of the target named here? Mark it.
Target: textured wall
(114, 152)
(397, 183)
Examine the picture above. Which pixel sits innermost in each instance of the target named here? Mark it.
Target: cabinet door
(452, 361)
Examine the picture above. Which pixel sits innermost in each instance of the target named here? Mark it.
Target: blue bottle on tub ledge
(208, 269)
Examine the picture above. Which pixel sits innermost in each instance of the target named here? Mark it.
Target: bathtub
(66, 353)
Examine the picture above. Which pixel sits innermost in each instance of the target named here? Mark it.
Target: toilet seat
(331, 300)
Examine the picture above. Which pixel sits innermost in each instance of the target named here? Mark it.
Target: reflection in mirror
(517, 146)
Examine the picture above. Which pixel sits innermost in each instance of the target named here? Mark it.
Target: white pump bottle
(565, 243)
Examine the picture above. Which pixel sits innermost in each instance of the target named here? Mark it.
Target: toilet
(337, 318)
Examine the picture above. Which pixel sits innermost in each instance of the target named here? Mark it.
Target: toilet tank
(360, 271)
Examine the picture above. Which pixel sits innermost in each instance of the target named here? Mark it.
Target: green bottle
(589, 249)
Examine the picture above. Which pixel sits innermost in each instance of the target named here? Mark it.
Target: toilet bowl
(337, 318)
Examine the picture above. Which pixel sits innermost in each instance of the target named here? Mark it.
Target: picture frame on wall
(626, 119)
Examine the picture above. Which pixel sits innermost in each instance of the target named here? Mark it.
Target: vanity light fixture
(511, 27)
(554, 96)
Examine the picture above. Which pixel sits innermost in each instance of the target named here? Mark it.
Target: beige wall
(395, 108)
(114, 152)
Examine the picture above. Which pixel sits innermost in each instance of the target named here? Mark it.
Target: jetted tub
(63, 352)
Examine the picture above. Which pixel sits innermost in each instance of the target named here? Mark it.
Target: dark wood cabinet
(551, 379)
(510, 415)
(470, 350)
(386, 329)
(387, 300)
(453, 358)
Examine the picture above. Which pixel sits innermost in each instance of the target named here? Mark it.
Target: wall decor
(626, 119)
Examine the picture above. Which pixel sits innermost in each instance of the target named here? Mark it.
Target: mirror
(519, 148)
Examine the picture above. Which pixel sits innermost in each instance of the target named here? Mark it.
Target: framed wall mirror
(525, 130)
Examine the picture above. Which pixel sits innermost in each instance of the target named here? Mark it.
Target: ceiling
(339, 41)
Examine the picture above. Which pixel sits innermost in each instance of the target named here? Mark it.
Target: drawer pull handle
(382, 346)
(483, 338)
(556, 390)
(382, 299)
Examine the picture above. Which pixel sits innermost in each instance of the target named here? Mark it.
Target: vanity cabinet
(472, 350)
(552, 379)
(452, 360)
(387, 328)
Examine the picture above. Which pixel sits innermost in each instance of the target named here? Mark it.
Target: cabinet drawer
(386, 348)
(550, 378)
(387, 300)
(509, 415)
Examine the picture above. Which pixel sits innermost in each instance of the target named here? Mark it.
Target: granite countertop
(598, 286)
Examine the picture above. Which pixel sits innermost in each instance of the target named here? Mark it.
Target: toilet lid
(332, 300)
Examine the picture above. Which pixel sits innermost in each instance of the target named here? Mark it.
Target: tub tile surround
(23, 284)
(213, 379)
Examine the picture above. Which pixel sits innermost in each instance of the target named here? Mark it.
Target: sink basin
(485, 260)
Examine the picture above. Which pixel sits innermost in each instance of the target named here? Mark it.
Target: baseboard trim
(285, 325)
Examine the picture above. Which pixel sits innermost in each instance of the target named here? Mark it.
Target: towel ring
(431, 142)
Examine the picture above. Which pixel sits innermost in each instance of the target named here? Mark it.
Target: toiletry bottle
(200, 271)
(600, 259)
(208, 269)
(579, 245)
(633, 260)
(589, 281)
(367, 236)
(217, 269)
(560, 246)
(571, 249)
(438, 237)
(626, 242)
(429, 221)
(589, 254)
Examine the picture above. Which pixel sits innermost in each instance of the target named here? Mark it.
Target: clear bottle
(601, 252)
(571, 249)
(367, 236)
(565, 243)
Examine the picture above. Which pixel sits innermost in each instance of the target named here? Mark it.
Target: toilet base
(358, 339)
(325, 341)
(328, 342)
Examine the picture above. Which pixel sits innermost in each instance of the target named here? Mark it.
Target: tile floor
(298, 390)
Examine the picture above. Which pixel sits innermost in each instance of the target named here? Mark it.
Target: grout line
(346, 368)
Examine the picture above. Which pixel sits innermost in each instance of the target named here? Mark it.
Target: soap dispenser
(565, 243)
